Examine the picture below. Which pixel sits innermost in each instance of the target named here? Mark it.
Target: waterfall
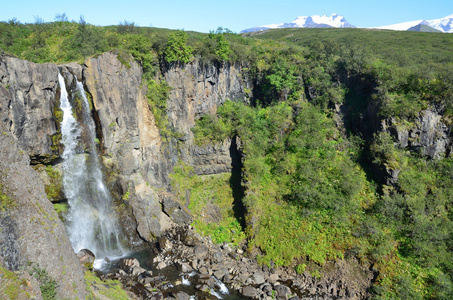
(91, 221)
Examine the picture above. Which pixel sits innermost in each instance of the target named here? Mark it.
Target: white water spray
(92, 223)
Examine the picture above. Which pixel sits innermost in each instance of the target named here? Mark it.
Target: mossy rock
(52, 178)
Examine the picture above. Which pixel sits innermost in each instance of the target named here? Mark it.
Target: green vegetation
(157, 100)
(177, 49)
(211, 203)
(61, 209)
(109, 288)
(313, 190)
(12, 286)
(5, 201)
(55, 186)
(47, 285)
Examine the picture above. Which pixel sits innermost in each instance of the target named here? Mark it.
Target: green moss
(11, 285)
(109, 288)
(125, 196)
(89, 100)
(5, 201)
(61, 209)
(56, 141)
(158, 93)
(54, 188)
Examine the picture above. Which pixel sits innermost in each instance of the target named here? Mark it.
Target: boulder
(248, 291)
(128, 264)
(86, 258)
(184, 267)
(201, 251)
(258, 277)
(165, 244)
(282, 291)
(174, 209)
(181, 296)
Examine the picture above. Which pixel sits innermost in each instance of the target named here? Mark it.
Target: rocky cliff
(131, 137)
(429, 133)
(32, 237)
(138, 160)
(198, 89)
(28, 104)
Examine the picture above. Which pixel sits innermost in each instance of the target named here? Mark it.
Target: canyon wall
(31, 234)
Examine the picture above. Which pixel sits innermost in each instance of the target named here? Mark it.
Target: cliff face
(27, 98)
(198, 89)
(30, 230)
(429, 133)
(132, 139)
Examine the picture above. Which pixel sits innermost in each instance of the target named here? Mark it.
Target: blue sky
(236, 15)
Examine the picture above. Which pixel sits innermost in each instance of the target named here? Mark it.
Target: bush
(177, 49)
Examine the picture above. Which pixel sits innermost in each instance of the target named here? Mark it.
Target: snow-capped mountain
(308, 22)
(443, 24)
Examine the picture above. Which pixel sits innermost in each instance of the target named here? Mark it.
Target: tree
(222, 48)
(177, 48)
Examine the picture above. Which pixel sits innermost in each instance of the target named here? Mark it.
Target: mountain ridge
(315, 21)
(444, 24)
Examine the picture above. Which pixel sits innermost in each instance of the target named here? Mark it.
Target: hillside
(312, 149)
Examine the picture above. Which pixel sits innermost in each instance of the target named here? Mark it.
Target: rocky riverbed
(184, 265)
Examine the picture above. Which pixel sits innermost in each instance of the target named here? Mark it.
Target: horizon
(204, 16)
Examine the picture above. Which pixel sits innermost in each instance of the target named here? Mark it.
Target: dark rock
(128, 264)
(184, 267)
(145, 278)
(219, 274)
(266, 287)
(258, 277)
(233, 255)
(206, 279)
(28, 106)
(174, 209)
(29, 234)
(139, 290)
(227, 278)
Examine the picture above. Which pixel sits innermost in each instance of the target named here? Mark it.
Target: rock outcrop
(198, 89)
(31, 234)
(428, 133)
(131, 138)
(28, 101)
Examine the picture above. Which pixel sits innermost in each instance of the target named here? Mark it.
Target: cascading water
(91, 220)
